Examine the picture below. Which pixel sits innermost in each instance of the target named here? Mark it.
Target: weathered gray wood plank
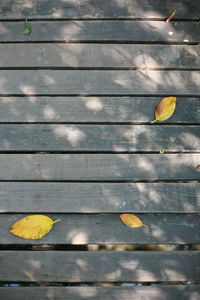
(99, 166)
(171, 292)
(98, 9)
(76, 82)
(93, 109)
(102, 31)
(99, 56)
(99, 197)
(92, 266)
(115, 138)
(108, 229)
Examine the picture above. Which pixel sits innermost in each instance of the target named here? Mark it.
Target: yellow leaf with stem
(165, 109)
(132, 221)
(32, 227)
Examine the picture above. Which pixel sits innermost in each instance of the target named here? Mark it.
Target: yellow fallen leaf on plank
(132, 221)
(32, 227)
(165, 109)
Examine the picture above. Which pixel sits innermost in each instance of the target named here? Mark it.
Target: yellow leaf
(32, 227)
(165, 109)
(162, 151)
(131, 220)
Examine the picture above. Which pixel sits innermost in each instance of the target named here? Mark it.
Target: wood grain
(99, 56)
(98, 9)
(106, 167)
(99, 293)
(77, 82)
(102, 31)
(93, 49)
(71, 266)
(99, 197)
(109, 229)
(116, 138)
(93, 109)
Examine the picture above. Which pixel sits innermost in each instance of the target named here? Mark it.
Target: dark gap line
(102, 247)
(102, 95)
(19, 284)
(100, 42)
(102, 123)
(51, 152)
(194, 180)
(132, 42)
(50, 68)
(96, 19)
(43, 247)
(104, 42)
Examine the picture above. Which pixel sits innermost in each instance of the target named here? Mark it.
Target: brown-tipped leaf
(165, 109)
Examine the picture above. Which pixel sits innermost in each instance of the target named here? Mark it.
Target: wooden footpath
(77, 96)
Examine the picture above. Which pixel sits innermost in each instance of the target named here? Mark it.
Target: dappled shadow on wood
(108, 229)
(105, 292)
(96, 138)
(97, 9)
(96, 109)
(143, 266)
(99, 197)
(116, 182)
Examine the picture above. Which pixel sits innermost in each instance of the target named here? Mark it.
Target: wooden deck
(76, 99)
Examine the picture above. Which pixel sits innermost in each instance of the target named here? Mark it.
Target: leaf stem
(154, 121)
(58, 220)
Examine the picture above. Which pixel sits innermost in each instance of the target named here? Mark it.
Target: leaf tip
(154, 121)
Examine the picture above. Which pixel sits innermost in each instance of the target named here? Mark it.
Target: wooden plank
(99, 167)
(99, 56)
(108, 229)
(99, 197)
(98, 9)
(102, 31)
(115, 138)
(80, 82)
(93, 109)
(98, 293)
(99, 266)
